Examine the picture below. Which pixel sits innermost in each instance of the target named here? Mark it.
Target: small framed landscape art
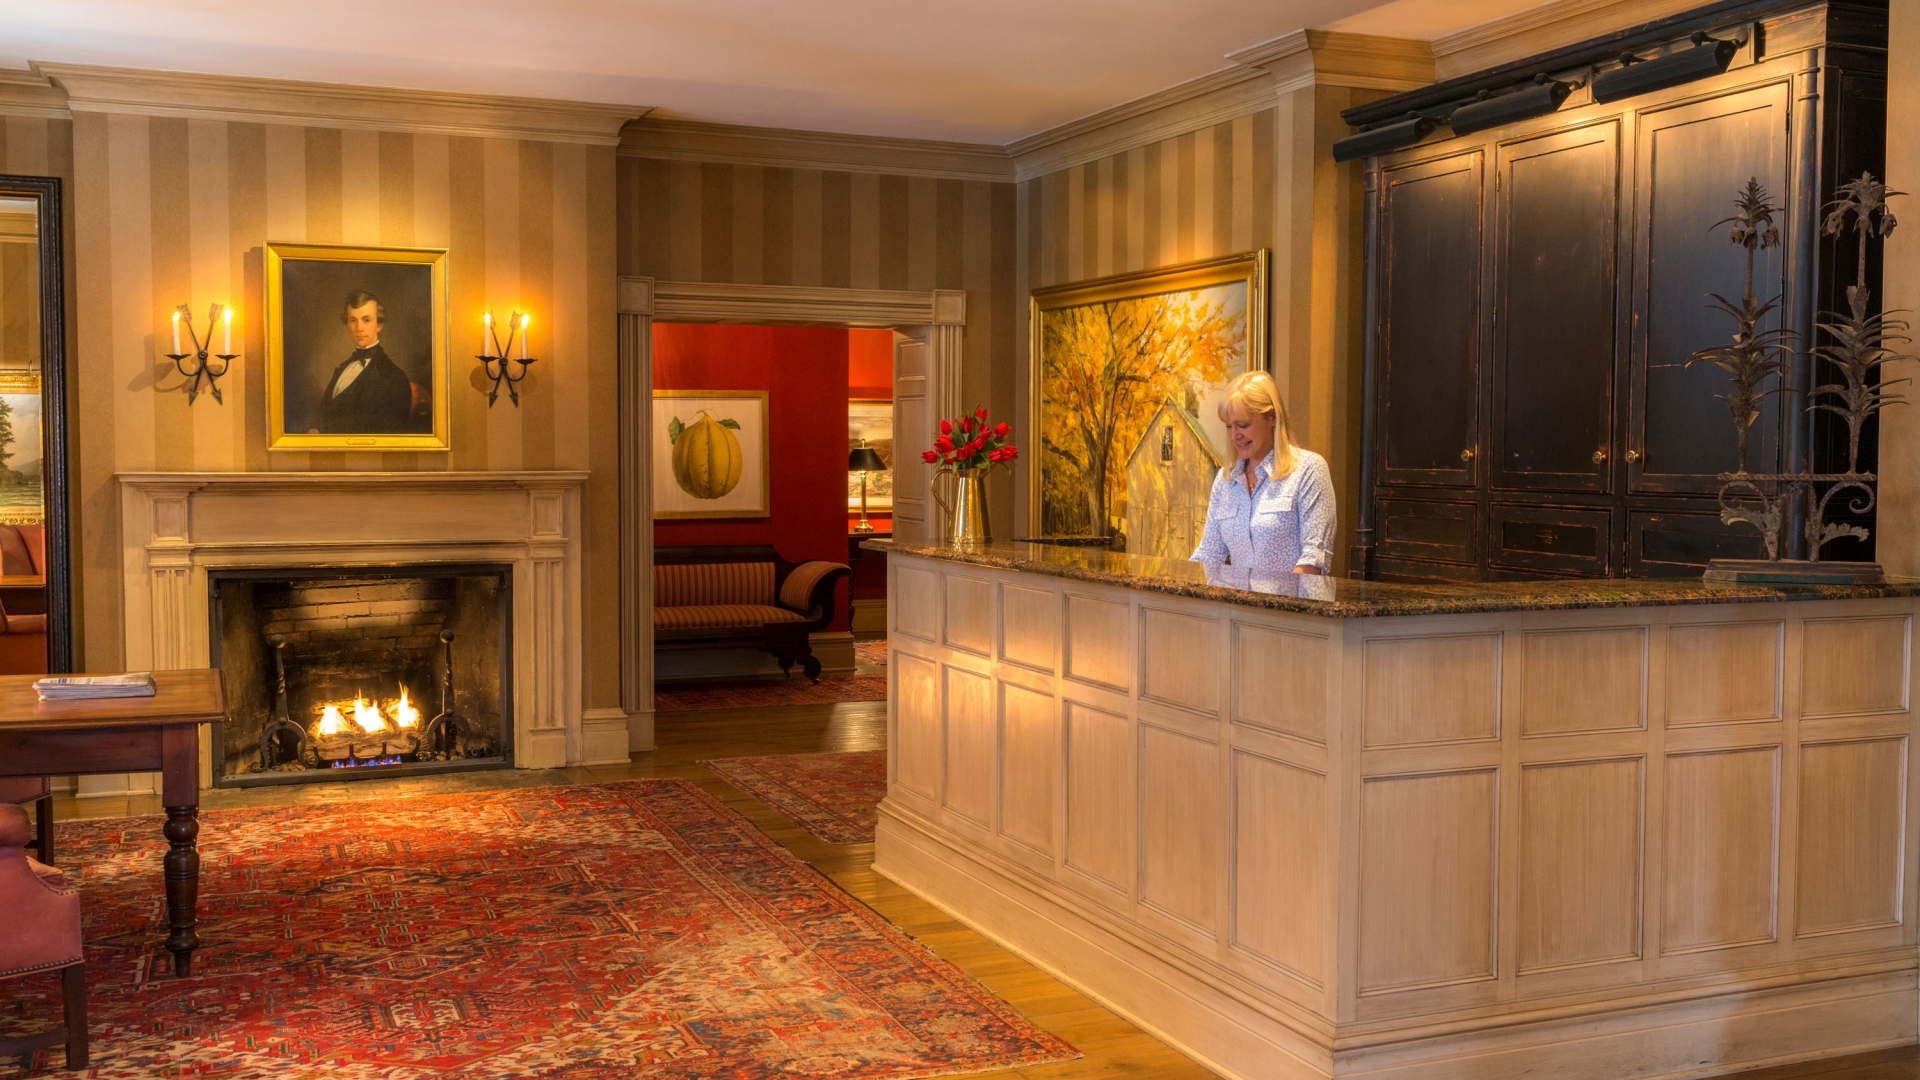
(356, 348)
(710, 454)
(870, 424)
(22, 496)
(1128, 370)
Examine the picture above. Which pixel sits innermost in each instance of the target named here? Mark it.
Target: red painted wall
(870, 364)
(804, 372)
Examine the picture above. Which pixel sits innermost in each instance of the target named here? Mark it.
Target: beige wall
(167, 210)
(767, 225)
(1262, 180)
(1898, 543)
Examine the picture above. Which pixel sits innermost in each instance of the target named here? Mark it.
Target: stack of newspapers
(81, 687)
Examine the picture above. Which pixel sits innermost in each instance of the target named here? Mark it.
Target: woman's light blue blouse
(1286, 522)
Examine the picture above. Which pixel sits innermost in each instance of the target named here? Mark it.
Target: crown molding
(1541, 29)
(1259, 76)
(689, 140)
(29, 93)
(1214, 97)
(310, 104)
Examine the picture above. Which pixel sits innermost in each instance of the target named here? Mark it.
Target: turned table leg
(183, 885)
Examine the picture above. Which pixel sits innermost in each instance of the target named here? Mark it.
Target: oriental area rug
(836, 797)
(752, 695)
(616, 930)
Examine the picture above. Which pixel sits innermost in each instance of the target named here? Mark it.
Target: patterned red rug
(794, 691)
(836, 797)
(616, 930)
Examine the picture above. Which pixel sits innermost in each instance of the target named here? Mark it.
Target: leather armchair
(42, 916)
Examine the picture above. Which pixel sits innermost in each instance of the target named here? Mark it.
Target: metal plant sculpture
(1860, 341)
(1859, 346)
(1754, 355)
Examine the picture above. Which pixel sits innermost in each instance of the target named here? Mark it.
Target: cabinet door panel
(1564, 539)
(1430, 239)
(1680, 543)
(1691, 162)
(1553, 338)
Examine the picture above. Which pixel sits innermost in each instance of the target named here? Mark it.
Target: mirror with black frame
(35, 609)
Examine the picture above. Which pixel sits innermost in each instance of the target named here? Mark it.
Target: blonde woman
(1271, 511)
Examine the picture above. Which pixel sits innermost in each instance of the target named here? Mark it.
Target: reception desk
(1316, 827)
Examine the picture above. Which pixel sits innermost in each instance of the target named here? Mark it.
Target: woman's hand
(1307, 568)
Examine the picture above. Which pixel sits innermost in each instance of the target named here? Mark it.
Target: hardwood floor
(1113, 1048)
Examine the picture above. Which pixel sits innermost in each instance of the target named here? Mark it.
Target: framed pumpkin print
(711, 457)
(357, 355)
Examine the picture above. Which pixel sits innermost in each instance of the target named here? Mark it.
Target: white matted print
(710, 454)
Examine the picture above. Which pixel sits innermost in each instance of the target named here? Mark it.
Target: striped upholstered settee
(718, 597)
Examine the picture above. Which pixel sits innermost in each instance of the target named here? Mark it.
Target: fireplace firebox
(347, 673)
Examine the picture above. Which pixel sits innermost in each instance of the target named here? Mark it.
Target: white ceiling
(966, 70)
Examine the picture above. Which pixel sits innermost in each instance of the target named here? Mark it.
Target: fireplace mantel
(175, 527)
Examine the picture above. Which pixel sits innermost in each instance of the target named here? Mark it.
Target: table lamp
(863, 460)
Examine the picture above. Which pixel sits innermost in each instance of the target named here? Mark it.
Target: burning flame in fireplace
(369, 716)
(404, 714)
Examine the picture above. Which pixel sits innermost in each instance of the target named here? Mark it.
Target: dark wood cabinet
(1535, 290)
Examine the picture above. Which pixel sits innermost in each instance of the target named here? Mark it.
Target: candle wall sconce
(202, 368)
(494, 353)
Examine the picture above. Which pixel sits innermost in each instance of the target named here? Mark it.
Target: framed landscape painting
(1112, 357)
(710, 454)
(356, 348)
(870, 424)
(22, 496)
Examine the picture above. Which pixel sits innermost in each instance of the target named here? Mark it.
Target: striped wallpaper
(750, 224)
(168, 210)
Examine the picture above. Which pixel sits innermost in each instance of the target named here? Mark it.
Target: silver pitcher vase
(967, 517)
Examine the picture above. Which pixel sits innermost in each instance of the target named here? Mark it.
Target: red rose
(966, 424)
(943, 444)
(929, 457)
(980, 413)
(1012, 452)
(1002, 431)
(946, 427)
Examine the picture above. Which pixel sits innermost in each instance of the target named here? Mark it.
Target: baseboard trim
(604, 737)
(1699, 1035)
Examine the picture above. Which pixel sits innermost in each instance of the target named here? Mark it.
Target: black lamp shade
(1380, 140)
(865, 459)
(1706, 57)
(1537, 100)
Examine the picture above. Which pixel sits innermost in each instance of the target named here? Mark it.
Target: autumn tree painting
(1107, 367)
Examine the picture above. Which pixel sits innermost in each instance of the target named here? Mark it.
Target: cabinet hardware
(1633, 455)
(1599, 457)
(1467, 454)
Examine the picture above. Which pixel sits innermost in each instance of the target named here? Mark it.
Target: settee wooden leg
(43, 830)
(73, 987)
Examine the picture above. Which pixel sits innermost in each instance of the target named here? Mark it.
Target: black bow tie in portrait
(360, 354)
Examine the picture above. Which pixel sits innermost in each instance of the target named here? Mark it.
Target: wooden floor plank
(1113, 1048)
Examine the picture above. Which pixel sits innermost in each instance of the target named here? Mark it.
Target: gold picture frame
(23, 493)
(1233, 288)
(740, 415)
(401, 404)
(870, 420)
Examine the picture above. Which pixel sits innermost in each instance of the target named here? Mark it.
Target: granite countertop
(1345, 598)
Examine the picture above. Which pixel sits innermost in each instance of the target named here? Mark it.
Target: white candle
(176, 333)
(486, 335)
(226, 333)
(524, 320)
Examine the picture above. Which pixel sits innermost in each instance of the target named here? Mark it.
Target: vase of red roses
(968, 449)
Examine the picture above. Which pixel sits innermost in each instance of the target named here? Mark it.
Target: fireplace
(344, 673)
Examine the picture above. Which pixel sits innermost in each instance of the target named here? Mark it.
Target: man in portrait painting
(368, 393)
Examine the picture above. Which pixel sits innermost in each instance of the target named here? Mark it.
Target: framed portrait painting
(711, 456)
(1128, 376)
(356, 348)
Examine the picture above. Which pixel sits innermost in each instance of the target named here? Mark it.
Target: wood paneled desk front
(119, 735)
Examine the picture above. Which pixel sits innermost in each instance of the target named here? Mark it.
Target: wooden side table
(119, 735)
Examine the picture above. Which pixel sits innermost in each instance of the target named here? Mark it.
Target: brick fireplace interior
(355, 672)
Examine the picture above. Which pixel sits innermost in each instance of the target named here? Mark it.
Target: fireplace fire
(378, 671)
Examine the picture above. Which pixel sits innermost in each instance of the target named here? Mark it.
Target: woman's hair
(1255, 392)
